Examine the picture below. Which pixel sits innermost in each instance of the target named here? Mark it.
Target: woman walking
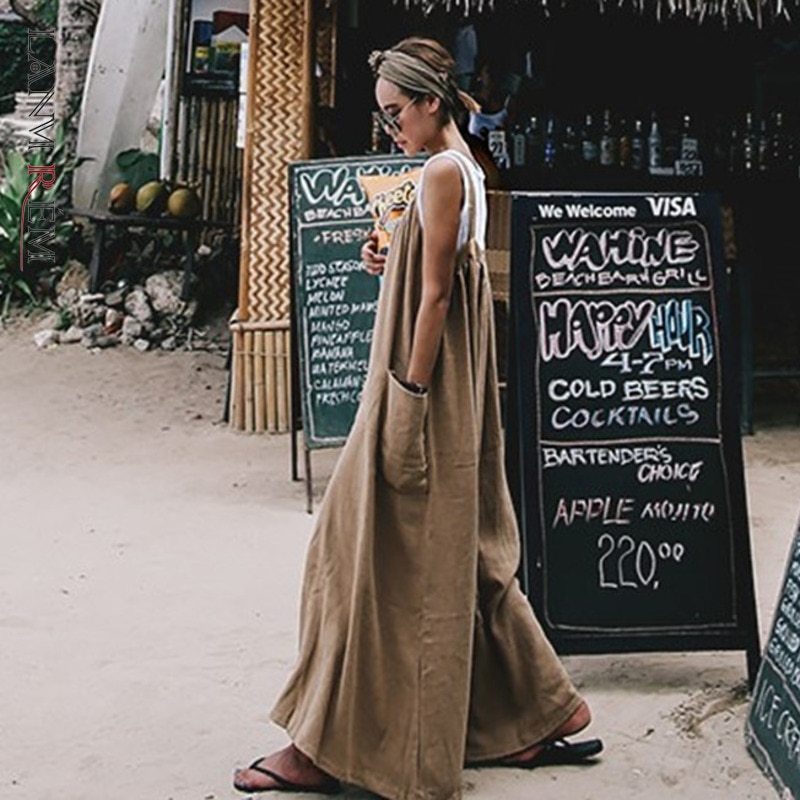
(418, 650)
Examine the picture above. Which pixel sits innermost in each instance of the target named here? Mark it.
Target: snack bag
(389, 196)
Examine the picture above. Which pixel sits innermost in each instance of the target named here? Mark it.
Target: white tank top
(472, 172)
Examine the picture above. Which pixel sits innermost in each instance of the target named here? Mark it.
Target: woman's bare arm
(440, 217)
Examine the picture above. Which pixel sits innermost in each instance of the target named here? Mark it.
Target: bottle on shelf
(735, 157)
(624, 151)
(638, 147)
(551, 155)
(689, 143)
(777, 143)
(654, 145)
(518, 147)
(590, 151)
(609, 143)
(498, 147)
(534, 143)
(763, 147)
(749, 145)
(570, 149)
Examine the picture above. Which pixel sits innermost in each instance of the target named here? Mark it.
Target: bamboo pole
(206, 132)
(194, 140)
(230, 163)
(181, 139)
(258, 381)
(281, 378)
(216, 177)
(265, 325)
(272, 400)
(239, 416)
(249, 408)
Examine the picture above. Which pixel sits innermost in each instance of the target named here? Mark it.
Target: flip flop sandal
(329, 787)
(555, 752)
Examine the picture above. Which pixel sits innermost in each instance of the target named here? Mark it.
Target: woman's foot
(290, 766)
(576, 723)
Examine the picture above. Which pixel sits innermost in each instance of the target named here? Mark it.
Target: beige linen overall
(418, 649)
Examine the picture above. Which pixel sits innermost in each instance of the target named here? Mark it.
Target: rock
(141, 345)
(138, 306)
(68, 299)
(75, 277)
(116, 298)
(50, 321)
(47, 338)
(91, 334)
(169, 343)
(113, 320)
(71, 335)
(131, 329)
(106, 341)
(164, 291)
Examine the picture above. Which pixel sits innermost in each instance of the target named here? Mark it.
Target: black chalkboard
(624, 405)
(772, 731)
(334, 299)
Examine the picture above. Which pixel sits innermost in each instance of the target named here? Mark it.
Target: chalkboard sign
(624, 404)
(772, 731)
(334, 298)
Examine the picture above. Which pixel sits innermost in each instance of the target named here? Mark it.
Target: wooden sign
(623, 408)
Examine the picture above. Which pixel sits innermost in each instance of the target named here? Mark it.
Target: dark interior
(585, 61)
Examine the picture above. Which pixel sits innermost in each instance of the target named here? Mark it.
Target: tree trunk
(76, 23)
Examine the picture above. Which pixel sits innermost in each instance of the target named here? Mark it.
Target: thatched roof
(757, 12)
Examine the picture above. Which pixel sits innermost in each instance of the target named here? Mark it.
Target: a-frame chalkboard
(333, 298)
(624, 418)
(772, 731)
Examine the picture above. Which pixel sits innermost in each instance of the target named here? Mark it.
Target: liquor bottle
(763, 147)
(777, 143)
(571, 155)
(498, 147)
(749, 144)
(609, 143)
(638, 147)
(720, 148)
(518, 146)
(690, 145)
(654, 154)
(624, 155)
(670, 143)
(735, 152)
(590, 152)
(534, 143)
(551, 144)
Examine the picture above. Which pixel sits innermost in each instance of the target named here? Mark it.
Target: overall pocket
(403, 459)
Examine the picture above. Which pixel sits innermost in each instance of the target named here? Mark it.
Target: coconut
(151, 198)
(184, 203)
(121, 198)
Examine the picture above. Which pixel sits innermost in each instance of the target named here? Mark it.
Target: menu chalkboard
(334, 298)
(624, 400)
(772, 731)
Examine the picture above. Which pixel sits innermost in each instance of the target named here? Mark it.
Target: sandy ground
(150, 565)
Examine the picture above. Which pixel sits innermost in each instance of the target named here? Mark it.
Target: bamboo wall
(207, 156)
(279, 118)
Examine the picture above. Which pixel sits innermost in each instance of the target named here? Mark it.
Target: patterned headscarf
(414, 75)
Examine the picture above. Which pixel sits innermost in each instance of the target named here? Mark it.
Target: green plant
(17, 284)
(136, 167)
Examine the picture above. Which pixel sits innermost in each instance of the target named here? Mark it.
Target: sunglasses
(391, 122)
